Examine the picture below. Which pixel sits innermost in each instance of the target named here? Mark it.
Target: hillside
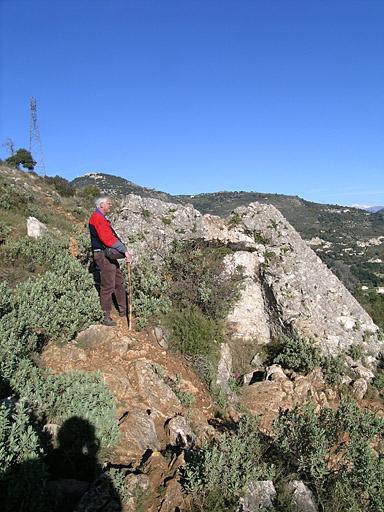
(117, 186)
(202, 403)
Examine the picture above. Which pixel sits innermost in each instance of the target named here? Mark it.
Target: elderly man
(111, 278)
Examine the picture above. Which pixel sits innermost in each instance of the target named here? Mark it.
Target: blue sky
(191, 96)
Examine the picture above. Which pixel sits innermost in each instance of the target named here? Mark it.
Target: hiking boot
(109, 322)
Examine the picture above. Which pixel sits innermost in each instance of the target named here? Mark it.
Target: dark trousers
(111, 282)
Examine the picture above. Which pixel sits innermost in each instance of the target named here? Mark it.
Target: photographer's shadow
(74, 466)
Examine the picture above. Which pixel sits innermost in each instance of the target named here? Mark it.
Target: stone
(121, 346)
(35, 228)
(160, 337)
(287, 289)
(248, 318)
(359, 387)
(93, 335)
(302, 497)
(275, 372)
(257, 362)
(179, 432)
(260, 494)
(139, 432)
(224, 370)
(155, 393)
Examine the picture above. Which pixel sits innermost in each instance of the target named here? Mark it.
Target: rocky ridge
(288, 290)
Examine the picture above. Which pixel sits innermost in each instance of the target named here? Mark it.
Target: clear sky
(191, 96)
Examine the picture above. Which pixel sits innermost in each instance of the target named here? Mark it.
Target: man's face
(106, 206)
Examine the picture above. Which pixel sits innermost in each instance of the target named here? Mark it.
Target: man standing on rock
(103, 236)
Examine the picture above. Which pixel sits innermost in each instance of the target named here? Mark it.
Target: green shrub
(194, 271)
(59, 303)
(14, 197)
(299, 354)
(149, 293)
(333, 368)
(333, 451)
(89, 192)
(4, 231)
(84, 395)
(303, 356)
(146, 214)
(5, 299)
(117, 477)
(355, 351)
(378, 381)
(235, 219)
(23, 474)
(18, 440)
(83, 246)
(218, 474)
(193, 333)
(34, 253)
(63, 186)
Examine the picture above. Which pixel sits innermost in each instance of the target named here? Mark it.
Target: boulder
(302, 497)
(260, 494)
(359, 387)
(160, 336)
(35, 228)
(179, 433)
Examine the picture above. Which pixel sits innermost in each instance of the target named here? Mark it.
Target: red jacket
(102, 234)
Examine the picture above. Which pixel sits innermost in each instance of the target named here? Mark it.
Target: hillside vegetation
(64, 426)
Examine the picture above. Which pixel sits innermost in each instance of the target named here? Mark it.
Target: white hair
(100, 200)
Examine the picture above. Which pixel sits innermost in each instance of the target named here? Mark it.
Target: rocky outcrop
(277, 391)
(287, 289)
(144, 380)
(311, 302)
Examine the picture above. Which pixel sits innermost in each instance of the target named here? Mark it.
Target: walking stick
(129, 298)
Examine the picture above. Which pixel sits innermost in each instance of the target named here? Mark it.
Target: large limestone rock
(287, 288)
(35, 228)
(309, 299)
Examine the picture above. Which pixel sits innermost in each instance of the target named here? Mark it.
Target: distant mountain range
(309, 218)
(372, 209)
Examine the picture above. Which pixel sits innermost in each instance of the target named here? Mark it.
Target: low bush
(193, 333)
(299, 354)
(195, 273)
(333, 451)
(150, 298)
(84, 395)
(303, 356)
(62, 186)
(23, 474)
(59, 303)
(4, 231)
(14, 197)
(34, 253)
(218, 474)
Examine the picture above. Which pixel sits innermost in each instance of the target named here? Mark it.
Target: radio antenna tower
(35, 145)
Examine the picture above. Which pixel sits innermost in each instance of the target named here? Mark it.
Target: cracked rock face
(287, 289)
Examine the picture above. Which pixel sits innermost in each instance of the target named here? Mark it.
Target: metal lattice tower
(35, 145)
